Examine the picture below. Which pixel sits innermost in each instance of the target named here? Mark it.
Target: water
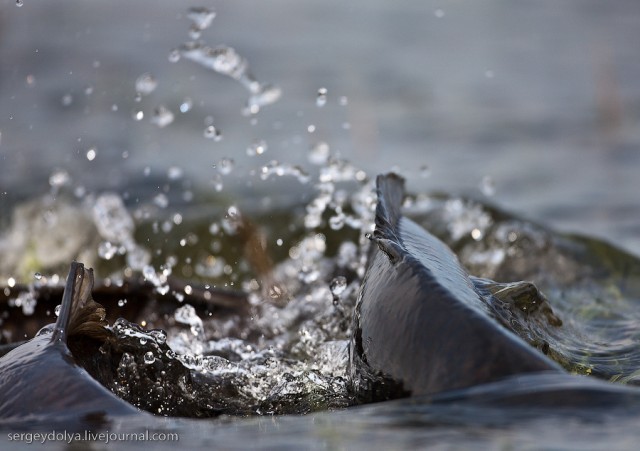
(451, 96)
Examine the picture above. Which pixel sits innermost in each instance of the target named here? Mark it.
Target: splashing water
(224, 60)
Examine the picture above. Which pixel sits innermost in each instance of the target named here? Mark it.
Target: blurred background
(534, 104)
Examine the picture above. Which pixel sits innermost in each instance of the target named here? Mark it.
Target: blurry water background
(542, 98)
(533, 106)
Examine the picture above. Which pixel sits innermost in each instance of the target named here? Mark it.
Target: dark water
(540, 98)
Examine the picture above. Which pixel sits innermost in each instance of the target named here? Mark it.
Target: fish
(41, 379)
(424, 328)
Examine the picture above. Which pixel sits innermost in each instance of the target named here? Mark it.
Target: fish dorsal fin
(390, 188)
(79, 313)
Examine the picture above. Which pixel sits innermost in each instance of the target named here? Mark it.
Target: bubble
(162, 116)
(321, 97)
(146, 84)
(159, 336)
(149, 358)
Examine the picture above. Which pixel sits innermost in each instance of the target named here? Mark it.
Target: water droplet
(143, 341)
(487, 186)
(174, 56)
(138, 115)
(146, 84)
(37, 276)
(122, 302)
(257, 148)
(343, 101)
(159, 336)
(266, 96)
(319, 153)
(211, 132)
(162, 116)
(225, 166)
(321, 97)
(187, 315)
(59, 178)
(186, 105)
(149, 358)
(175, 173)
(439, 13)
(92, 153)
(338, 285)
(19, 3)
(217, 182)
(107, 250)
(201, 18)
(56, 311)
(67, 100)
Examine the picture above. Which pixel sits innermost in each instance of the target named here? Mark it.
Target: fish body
(420, 325)
(41, 379)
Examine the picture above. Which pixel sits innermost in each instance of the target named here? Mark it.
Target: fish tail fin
(79, 313)
(390, 188)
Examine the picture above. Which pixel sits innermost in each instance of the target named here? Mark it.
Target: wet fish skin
(41, 379)
(420, 327)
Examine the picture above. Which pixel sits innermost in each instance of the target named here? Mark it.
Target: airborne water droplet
(257, 148)
(212, 132)
(321, 97)
(225, 166)
(162, 116)
(56, 311)
(174, 56)
(37, 276)
(146, 84)
(337, 287)
(319, 153)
